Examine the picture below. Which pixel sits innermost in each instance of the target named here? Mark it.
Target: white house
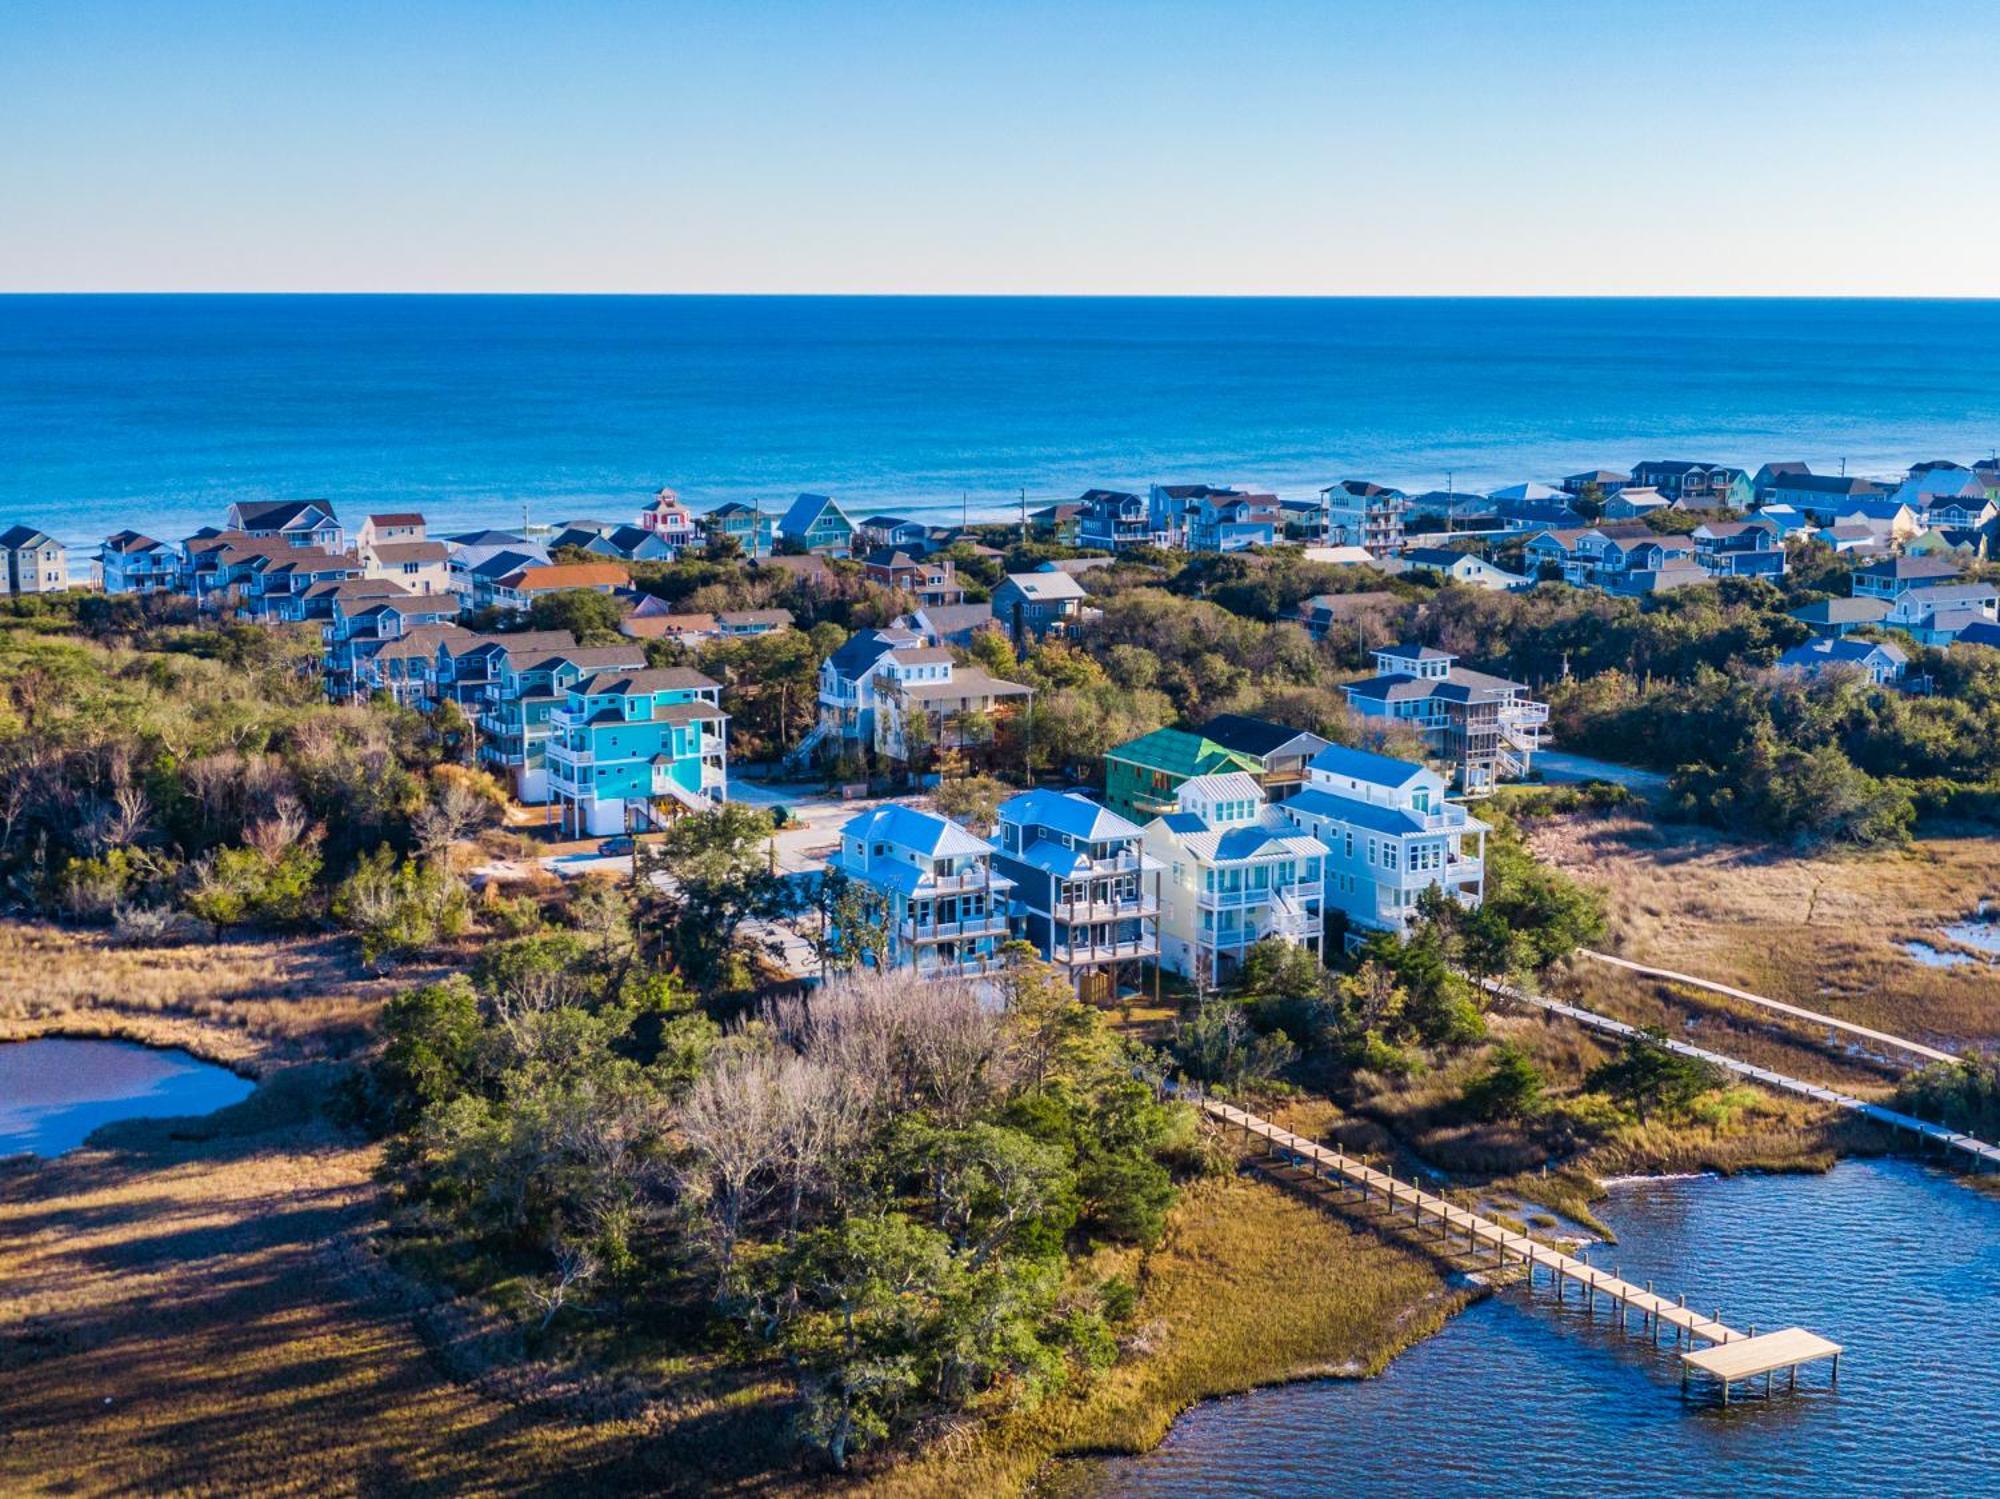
(1389, 835)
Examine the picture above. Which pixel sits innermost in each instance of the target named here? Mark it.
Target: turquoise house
(750, 526)
(816, 523)
(630, 749)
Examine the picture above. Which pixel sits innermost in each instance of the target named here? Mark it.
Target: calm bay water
(1899, 1264)
(158, 410)
(55, 1091)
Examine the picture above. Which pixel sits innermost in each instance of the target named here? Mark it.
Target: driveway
(1562, 766)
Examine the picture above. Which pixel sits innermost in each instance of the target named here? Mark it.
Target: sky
(1260, 147)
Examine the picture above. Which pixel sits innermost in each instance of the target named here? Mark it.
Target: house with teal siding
(816, 523)
(1142, 778)
(630, 749)
(526, 684)
(751, 527)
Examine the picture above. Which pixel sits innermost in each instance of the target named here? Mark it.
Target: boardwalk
(1881, 1038)
(1983, 1156)
(1749, 1354)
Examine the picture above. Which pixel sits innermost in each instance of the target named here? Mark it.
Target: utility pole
(1024, 515)
(964, 508)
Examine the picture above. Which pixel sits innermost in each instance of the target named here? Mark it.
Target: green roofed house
(1141, 778)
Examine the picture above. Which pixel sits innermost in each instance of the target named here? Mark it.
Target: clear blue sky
(1310, 146)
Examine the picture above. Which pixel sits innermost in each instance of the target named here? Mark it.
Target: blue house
(816, 523)
(1111, 520)
(942, 906)
(1739, 549)
(1085, 894)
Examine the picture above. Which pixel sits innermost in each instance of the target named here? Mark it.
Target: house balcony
(1230, 900)
(714, 776)
(1454, 871)
(972, 965)
(1076, 912)
(1082, 954)
(951, 884)
(561, 754)
(990, 924)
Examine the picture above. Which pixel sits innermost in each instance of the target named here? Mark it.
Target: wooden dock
(1749, 1353)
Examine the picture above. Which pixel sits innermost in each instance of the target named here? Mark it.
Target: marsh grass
(1821, 931)
(1252, 1286)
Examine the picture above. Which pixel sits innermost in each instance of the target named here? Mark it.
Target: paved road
(1560, 766)
(1984, 1156)
(1913, 1048)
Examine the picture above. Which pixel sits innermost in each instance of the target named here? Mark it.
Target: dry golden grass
(1822, 932)
(249, 1003)
(194, 1319)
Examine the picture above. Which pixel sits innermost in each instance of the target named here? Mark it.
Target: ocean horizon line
(474, 294)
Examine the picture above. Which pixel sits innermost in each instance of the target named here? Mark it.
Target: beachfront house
(1143, 777)
(1348, 615)
(299, 523)
(33, 561)
(893, 533)
(1636, 503)
(1602, 482)
(1030, 605)
(390, 528)
(131, 563)
(1113, 520)
(1363, 514)
(1389, 835)
(816, 524)
(1881, 662)
(1236, 872)
(668, 518)
(629, 750)
(1484, 728)
(1821, 496)
(751, 527)
(934, 901)
(1229, 521)
(948, 624)
(1085, 894)
(1696, 486)
(892, 691)
(420, 566)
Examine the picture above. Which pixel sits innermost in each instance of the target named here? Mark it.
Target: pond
(1897, 1262)
(55, 1091)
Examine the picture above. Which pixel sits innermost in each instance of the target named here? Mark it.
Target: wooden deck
(1766, 1355)
(1656, 1313)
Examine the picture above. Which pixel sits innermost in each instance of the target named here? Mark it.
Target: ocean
(155, 411)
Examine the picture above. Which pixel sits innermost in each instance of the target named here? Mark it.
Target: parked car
(612, 848)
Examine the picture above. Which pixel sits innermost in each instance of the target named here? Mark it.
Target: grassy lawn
(1825, 932)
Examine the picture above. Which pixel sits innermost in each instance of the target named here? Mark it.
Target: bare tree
(575, 1268)
(733, 1122)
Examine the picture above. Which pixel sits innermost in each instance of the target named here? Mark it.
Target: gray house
(1032, 604)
